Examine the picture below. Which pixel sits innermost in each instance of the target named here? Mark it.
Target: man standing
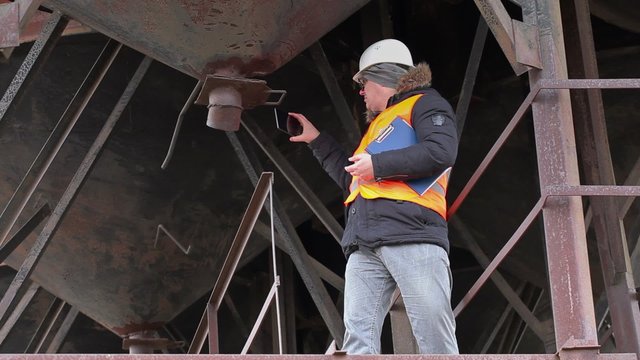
(395, 235)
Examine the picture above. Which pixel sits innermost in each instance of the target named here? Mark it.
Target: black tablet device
(286, 123)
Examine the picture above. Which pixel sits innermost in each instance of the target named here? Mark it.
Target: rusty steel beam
(566, 248)
(340, 105)
(293, 244)
(591, 131)
(67, 198)
(501, 26)
(207, 324)
(591, 190)
(32, 63)
(620, 356)
(471, 74)
(56, 139)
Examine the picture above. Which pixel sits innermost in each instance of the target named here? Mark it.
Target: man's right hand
(309, 132)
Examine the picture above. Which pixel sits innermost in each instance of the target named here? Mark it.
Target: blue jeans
(422, 273)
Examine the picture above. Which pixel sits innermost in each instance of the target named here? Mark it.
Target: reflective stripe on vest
(433, 199)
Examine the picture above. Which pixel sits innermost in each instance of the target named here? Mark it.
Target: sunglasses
(362, 82)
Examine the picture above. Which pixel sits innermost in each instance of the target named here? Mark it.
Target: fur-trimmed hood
(416, 77)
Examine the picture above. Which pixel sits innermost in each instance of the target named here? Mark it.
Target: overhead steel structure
(561, 108)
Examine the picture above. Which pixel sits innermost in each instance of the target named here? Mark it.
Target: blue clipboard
(398, 135)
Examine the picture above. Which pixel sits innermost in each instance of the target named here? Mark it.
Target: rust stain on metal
(133, 328)
(9, 25)
(256, 66)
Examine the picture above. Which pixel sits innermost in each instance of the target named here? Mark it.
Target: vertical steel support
(568, 264)
(71, 191)
(56, 139)
(287, 231)
(37, 56)
(593, 141)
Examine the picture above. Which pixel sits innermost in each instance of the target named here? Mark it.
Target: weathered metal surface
(591, 190)
(203, 37)
(9, 25)
(525, 42)
(58, 136)
(565, 236)
(79, 178)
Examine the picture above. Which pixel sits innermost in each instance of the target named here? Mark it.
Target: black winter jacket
(375, 222)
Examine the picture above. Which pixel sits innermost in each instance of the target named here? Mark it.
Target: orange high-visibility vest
(433, 199)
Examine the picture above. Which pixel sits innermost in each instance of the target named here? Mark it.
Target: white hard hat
(384, 51)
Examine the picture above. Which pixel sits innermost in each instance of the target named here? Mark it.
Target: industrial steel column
(591, 129)
(572, 302)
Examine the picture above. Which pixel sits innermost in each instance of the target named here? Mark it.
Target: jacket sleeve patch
(438, 120)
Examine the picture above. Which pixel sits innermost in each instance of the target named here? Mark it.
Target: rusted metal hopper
(103, 259)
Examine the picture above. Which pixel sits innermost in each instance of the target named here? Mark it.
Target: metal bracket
(518, 41)
(155, 244)
(254, 92)
(526, 43)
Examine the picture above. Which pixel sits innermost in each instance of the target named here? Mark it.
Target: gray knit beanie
(385, 74)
